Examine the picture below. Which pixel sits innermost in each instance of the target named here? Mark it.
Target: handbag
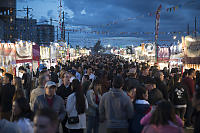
(73, 120)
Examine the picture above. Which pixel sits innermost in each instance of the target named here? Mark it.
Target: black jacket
(6, 96)
(179, 94)
(63, 91)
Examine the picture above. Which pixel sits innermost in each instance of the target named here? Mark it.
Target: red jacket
(190, 86)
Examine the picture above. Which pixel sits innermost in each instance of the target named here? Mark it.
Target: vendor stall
(191, 52)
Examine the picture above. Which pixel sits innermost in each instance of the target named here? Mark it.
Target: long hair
(163, 114)
(80, 98)
(18, 83)
(25, 109)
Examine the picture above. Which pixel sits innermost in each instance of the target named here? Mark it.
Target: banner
(163, 54)
(36, 52)
(23, 51)
(192, 49)
(44, 53)
(7, 54)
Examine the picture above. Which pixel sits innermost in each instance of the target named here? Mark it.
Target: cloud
(83, 12)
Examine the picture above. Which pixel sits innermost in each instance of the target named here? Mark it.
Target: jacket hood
(141, 106)
(116, 92)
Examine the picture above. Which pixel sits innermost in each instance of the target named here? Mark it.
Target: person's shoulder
(59, 97)
(107, 94)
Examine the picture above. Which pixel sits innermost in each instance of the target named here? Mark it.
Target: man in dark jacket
(6, 96)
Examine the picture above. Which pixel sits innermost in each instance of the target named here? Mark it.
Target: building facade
(8, 16)
(26, 29)
(45, 34)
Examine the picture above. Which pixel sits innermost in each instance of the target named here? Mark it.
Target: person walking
(76, 109)
(64, 91)
(93, 98)
(6, 96)
(163, 120)
(39, 90)
(190, 84)
(115, 108)
(50, 100)
(141, 108)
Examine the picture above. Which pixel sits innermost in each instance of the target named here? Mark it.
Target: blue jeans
(92, 124)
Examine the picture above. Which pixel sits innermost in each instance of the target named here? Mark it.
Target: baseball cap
(49, 84)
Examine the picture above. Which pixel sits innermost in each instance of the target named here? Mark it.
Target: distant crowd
(76, 97)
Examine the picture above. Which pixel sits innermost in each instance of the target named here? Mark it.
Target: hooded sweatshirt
(116, 109)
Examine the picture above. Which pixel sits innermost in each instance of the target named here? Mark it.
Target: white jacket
(72, 112)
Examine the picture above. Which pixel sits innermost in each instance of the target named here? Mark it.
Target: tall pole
(27, 21)
(188, 29)
(57, 33)
(195, 30)
(63, 36)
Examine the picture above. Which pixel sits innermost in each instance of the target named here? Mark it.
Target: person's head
(8, 78)
(163, 113)
(50, 88)
(141, 93)
(177, 78)
(89, 70)
(79, 69)
(150, 84)
(22, 69)
(145, 71)
(185, 74)
(96, 86)
(62, 72)
(118, 82)
(42, 80)
(80, 99)
(66, 79)
(20, 108)
(45, 121)
(191, 73)
(132, 72)
(72, 73)
(44, 72)
(52, 69)
(159, 75)
(17, 82)
(131, 91)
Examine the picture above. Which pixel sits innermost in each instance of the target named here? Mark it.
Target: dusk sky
(128, 15)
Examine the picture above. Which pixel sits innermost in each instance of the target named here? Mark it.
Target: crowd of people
(76, 97)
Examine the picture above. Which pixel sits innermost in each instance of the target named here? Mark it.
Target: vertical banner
(156, 30)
